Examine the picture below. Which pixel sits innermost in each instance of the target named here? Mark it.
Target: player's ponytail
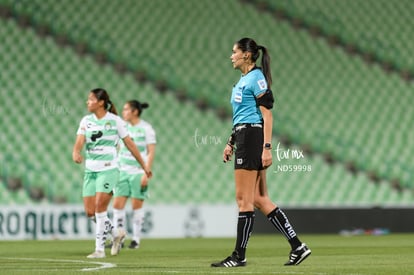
(111, 107)
(102, 94)
(136, 105)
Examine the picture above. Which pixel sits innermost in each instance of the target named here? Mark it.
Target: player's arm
(129, 143)
(150, 159)
(77, 148)
(151, 155)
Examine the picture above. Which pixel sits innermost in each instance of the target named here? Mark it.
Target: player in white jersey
(100, 133)
(133, 182)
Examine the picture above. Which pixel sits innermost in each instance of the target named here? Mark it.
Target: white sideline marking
(102, 265)
(223, 272)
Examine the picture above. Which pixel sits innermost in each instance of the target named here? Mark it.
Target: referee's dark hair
(102, 94)
(136, 105)
(249, 45)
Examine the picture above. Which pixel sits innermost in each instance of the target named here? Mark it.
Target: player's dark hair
(136, 105)
(249, 45)
(102, 94)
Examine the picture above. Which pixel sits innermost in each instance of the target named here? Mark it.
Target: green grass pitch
(331, 254)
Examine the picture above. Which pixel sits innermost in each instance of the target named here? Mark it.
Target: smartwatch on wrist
(267, 146)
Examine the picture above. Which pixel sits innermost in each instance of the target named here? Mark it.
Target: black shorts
(249, 146)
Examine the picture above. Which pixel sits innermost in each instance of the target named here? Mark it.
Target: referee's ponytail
(266, 65)
(249, 45)
(102, 94)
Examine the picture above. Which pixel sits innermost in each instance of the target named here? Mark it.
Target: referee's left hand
(266, 158)
(227, 153)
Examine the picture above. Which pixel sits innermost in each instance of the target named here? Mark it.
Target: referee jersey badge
(262, 84)
(238, 96)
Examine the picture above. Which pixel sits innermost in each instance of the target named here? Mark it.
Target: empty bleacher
(325, 99)
(42, 130)
(380, 27)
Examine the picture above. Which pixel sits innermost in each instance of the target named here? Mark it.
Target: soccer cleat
(109, 245)
(117, 242)
(230, 261)
(96, 255)
(298, 255)
(134, 245)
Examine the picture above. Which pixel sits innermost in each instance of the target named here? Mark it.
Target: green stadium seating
(324, 98)
(378, 26)
(53, 132)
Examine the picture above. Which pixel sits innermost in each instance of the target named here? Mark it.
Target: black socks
(245, 227)
(244, 230)
(278, 218)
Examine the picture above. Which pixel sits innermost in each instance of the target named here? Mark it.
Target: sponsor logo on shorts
(239, 161)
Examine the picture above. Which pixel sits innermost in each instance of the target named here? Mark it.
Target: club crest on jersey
(107, 126)
(262, 84)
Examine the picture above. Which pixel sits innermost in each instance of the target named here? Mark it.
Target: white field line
(101, 265)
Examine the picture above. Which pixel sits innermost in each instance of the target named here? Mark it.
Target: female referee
(100, 132)
(252, 101)
(133, 182)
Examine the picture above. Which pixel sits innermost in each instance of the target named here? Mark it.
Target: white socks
(119, 218)
(137, 220)
(119, 221)
(103, 228)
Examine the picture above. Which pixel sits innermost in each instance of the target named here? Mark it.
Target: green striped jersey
(142, 134)
(102, 137)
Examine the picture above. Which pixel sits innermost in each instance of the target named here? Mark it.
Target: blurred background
(343, 84)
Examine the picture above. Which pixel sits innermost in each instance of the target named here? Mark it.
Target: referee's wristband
(267, 146)
(230, 141)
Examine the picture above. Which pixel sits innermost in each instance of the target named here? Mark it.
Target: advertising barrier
(47, 222)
